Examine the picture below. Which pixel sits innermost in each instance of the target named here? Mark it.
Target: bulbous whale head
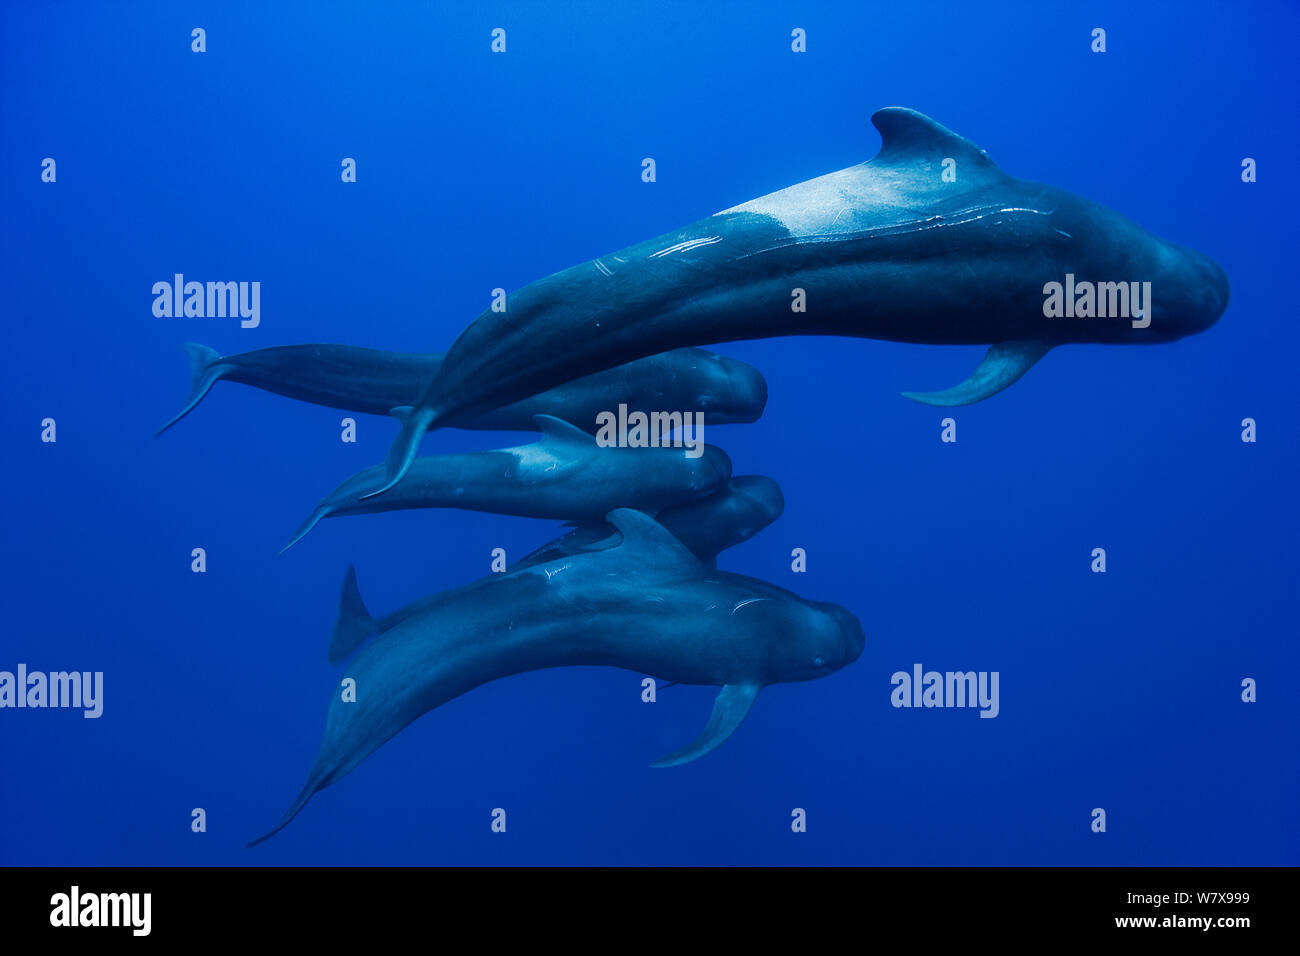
(832, 637)
(710, 470)
(732, 514)
(810, 639)
(734, 393)
(1196, 288)
(756, 499)
(1118, 282)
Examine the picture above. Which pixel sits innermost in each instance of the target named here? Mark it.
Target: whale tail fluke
(415, 423)
(313, 519)
(354, 624)
(1003, 365)
(205, 370)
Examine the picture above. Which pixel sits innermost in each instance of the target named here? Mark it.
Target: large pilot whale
(375, 382)
(928, 242)
(647, 605)
(564, 476)
(707, 527)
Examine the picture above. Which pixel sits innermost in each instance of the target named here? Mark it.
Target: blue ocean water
(476, 170)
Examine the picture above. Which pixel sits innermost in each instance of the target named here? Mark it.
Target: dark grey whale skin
(375, 382)
(886, 250)
(647, 605)
(564, 476)
(734, 513)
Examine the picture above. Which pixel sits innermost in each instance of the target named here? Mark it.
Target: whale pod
(736, 512)
(929, 242)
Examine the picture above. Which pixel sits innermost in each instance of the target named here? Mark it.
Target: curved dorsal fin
(908, 138)
(557, 429)
(647, 536)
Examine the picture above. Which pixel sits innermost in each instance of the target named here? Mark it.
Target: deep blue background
(478, 170)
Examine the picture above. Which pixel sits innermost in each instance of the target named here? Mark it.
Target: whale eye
(817, 662)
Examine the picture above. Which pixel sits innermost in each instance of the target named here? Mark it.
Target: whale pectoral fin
(354, 624)
(729, 712)
(415, 422)
(1003, 365)
(307, 793)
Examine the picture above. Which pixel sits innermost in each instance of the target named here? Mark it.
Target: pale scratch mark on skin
(686, 246)
(552, 573)
(747, 601)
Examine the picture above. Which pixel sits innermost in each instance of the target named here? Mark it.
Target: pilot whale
(928, 242)
(374, 382)
(648, 606)
(732, 514)
(565, 475)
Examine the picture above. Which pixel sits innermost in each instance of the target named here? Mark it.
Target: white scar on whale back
(849, 202)
(536, 457)
(817, 207)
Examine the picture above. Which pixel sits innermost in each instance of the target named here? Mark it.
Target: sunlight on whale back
(860, 198)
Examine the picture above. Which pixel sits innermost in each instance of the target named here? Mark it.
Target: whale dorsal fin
(644, 534)
(557, 429)
(355, 624)
(909, 138)
(729, 712)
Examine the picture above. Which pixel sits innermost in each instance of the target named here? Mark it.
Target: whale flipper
(307, 793)
(729, 712)
(204, 373)
(415, 422)
(354, 624)
(1003, 365)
